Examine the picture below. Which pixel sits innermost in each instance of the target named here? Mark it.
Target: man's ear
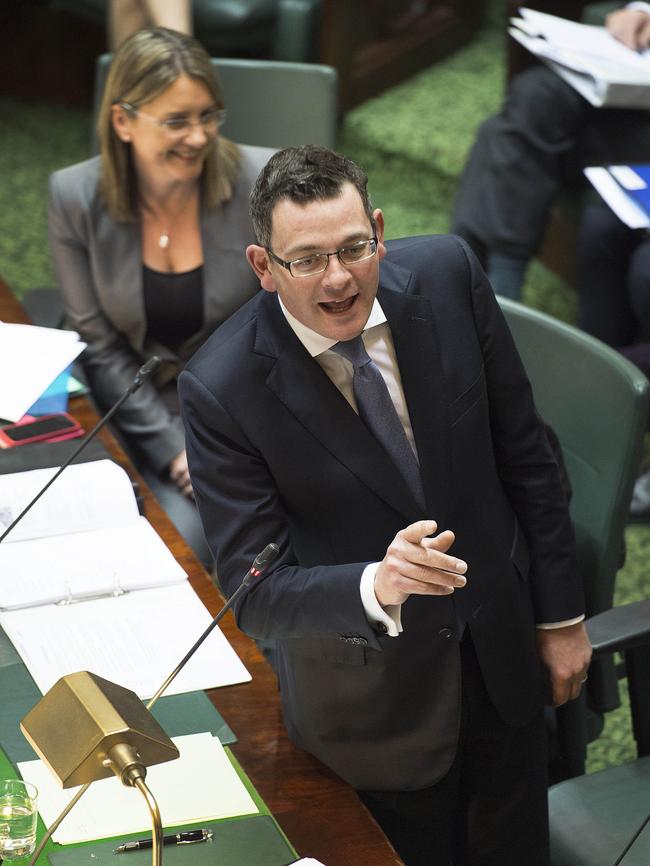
(258, 259)
(379, 231)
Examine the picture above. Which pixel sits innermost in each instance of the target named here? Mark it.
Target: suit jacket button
(446, 633)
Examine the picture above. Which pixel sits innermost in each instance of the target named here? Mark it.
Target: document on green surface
(201, 785)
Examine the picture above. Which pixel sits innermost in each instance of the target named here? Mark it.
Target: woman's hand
(180, 474)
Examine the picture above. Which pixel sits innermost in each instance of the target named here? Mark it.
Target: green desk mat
(251, 841)
(189, 713)
(258, 840)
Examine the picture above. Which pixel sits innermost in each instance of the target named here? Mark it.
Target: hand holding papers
(603, 70)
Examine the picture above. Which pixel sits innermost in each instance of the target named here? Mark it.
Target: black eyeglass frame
(287, 264)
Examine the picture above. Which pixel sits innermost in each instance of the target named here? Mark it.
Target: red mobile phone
(55, 427)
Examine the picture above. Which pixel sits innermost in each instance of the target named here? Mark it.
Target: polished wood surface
(321, 815)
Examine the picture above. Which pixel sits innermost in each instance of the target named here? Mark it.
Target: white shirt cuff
(391, 615)
(642, 7)
(563, 624)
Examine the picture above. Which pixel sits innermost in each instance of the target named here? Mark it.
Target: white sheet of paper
(627, 210)
(104, 561)
(201, 785)
(38, 356)
(85, 496)
(135, 640)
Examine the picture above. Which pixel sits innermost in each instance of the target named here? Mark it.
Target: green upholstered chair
(593, 818)
(271, 103)
(597, 404)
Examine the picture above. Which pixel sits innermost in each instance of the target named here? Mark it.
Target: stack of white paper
(591, 60)
(87, 584)
(201, 785)
(38, 356)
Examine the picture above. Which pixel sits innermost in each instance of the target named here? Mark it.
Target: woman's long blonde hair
(145, 65)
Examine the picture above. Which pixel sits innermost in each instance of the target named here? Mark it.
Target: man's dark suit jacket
(277, 454)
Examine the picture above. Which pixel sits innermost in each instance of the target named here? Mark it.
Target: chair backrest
(270, 103)
(597, 403)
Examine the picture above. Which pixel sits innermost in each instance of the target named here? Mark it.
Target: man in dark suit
(420, 686)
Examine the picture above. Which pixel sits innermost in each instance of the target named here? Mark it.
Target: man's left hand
(565, 653)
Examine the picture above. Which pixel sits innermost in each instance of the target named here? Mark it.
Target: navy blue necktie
(377, 411)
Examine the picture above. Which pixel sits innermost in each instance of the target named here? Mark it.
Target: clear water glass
(18, 814)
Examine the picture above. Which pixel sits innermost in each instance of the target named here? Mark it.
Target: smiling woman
(148, 243)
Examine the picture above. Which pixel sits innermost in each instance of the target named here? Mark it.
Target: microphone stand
(143, 373)
(260, 564)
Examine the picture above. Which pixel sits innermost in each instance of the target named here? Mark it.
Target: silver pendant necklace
(164, 238)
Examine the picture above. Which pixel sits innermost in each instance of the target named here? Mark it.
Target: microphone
(140, 378)
(260, 564)
(142, 375)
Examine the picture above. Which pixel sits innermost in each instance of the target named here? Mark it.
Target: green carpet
(412, 140)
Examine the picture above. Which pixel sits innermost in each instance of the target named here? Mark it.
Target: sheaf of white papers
(201, 785)
(38, 356)
(107, 561)
(589, 58)
(135, 640)
(85, 496)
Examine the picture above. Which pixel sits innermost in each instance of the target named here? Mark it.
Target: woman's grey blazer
(98, 263)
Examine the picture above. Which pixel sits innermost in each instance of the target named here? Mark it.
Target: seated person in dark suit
(147, 242)
(370, 390)
(542, 138)
(613, 281)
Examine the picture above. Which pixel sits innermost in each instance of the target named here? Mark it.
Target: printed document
(201, 785)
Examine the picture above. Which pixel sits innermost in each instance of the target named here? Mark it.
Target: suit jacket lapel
(300, 383)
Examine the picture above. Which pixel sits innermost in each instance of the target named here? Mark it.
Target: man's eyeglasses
(307, 266)
(181, 124)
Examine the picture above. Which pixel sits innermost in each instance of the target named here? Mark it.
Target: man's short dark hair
(302, 174)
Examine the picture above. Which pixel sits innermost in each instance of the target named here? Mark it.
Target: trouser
(613, 278)
(540, 141)
(491, 807)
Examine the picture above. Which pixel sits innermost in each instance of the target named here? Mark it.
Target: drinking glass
(18, 815)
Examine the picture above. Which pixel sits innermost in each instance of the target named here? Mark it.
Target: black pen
(187, 837)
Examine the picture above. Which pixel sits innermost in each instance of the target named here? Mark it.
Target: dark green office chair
(594, 817)
(597, 404)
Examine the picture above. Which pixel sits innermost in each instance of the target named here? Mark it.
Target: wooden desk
(320, 814)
